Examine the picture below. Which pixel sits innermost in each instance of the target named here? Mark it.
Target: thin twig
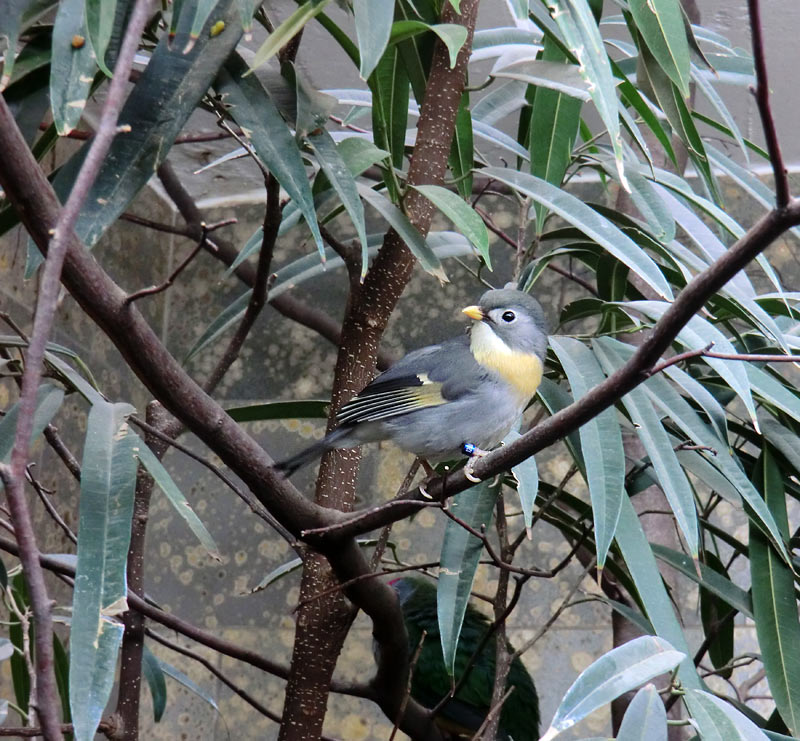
(492, 714)
(152, 290)
(46, 305)
(761, 92)
(48, 505)
(258, 298)
(411, 666)
(229, 683)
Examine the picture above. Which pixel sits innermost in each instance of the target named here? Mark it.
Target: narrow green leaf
(555, 398)
(407, 231)
(589, 221)
(254, 111)
(48, 401)
(457, 564)
(703, 398)
(601, 442)
(462, 149)
(527, 476)
(175, 497)
(652, 207)
(554, 125)
(192, 686)
(151, 668)
(657, 604)
(713, 610)
(343, 183)
(576, 22)
(453, 36)
(772, 390)
(645, 719)
(202, 10)
(108, 479)
(616, 672)
(373, 27)
(389, 84)
(19, 670)
(710, 580)
(246, 10)
(466, 220)
(287, 30)
(718, 720)
(656, 443)
(550, 75)
(99, 24)
(774, 603)
(312, 409)
(72, 66)
(17, 15)
(712, 96)
(660, 23)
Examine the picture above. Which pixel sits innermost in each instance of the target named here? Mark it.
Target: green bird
(463, 715)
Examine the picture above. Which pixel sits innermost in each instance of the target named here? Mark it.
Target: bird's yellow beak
(474, 312)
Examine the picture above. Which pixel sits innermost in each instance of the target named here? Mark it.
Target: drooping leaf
(100, 24)
(17, 15)
(551, 75)
(579, 28)
(656, 443)
(175, 497)
(660, 24)
(462, 215)
(589, 221)
(601, 443)
(48, 401)
(462, 149)
(108, 479)
(616, 672)
(658, 607)
(457, 563)
(254, 111)
(373, 27)
(645, 719)
(774, 602)
(72, 66)
(343, 183)
(287, 30)
(151, 668)
(718, 720)
(717, 624)
(553, 127)
(407, 231)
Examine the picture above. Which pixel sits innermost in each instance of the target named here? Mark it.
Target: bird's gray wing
(427, 377)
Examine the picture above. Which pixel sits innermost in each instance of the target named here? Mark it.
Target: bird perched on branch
(463, 714)
(460, 397)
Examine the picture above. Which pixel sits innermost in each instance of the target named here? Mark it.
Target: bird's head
(514, 318)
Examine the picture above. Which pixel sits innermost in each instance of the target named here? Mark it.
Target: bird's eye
(509, 316)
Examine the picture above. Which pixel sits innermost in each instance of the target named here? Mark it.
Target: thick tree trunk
(323, 623)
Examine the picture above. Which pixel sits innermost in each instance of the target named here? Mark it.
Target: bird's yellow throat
(522, 370)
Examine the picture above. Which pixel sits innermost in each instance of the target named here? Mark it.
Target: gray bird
(459, 397)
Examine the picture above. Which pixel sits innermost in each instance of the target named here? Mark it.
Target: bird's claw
(474, 452)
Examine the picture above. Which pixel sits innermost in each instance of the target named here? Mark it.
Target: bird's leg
(474, 452)
(429, 474)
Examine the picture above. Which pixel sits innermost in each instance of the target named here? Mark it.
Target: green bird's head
(463, 714)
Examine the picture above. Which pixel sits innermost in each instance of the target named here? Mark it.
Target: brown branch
(782, 193)
(56, 248)
(48, 505)
(272, 222)
(167, 619)
(768, 228)
(108, 729)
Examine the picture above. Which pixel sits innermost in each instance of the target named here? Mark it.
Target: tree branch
(782, 194)
(768, 228)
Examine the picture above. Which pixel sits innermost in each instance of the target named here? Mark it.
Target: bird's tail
(312, 452)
